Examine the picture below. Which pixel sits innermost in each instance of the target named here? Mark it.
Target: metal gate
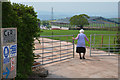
(53, 49)
(104, 43)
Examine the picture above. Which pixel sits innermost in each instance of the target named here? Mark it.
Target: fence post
(109, 44)
(114, 40)
(90, 44)
(94, 39)
(102, 41)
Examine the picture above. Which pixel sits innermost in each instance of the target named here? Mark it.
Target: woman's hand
(73, 38)
(88, 42)
(87, 46)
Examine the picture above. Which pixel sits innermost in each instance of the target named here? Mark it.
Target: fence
(107, 43)
(50, 50)
(92, 26)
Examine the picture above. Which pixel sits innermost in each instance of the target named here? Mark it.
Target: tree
(79, 20)
(9, 16)
(24, 18)
(45, 23)
(48, 26)
(27, 30)
(39, 23)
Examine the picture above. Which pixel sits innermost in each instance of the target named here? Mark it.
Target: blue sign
(13, 50)
(8, 72)
(6, 54)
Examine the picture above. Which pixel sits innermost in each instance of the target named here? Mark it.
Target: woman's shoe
(83, 57)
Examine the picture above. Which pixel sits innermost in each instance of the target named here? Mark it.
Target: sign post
(9, 52)
(0, 38)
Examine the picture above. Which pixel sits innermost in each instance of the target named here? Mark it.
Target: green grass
(103, 25)
(74, 32)
(87, 32)
(93, 25)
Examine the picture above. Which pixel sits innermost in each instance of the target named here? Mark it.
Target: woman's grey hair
(81, 31)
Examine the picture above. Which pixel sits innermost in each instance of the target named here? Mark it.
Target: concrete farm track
(100, 65)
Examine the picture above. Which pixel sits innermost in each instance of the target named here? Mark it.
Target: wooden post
(114, 40)
(102, 41)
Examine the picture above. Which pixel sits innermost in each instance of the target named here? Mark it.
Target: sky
(104, 8)
(64, 0)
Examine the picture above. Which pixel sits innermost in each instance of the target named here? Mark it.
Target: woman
(81, 43)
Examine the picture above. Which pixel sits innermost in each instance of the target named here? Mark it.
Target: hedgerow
(23, 18)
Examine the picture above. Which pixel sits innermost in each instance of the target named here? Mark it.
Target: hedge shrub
(23, 18)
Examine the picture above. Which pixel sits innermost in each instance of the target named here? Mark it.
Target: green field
(98, 39)
(93, 25)
(74, 32)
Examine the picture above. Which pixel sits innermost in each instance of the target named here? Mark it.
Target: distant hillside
(93, 19)
(46, 15)
(114, 19)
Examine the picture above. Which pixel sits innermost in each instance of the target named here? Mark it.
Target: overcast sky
(64, 0)
(105, 8)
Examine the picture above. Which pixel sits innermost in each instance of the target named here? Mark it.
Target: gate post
(94, 39)
(8, 52)
(0, 40)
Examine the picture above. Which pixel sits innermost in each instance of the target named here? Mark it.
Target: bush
(48, 26)
(74, 28)
(25, 20)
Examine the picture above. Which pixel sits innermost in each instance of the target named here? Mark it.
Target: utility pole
(52, 14)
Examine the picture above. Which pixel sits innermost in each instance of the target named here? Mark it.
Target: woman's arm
(87, 39)
(76, 37)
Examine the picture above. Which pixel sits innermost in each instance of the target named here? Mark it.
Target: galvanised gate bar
(50, 50)
(106, 43)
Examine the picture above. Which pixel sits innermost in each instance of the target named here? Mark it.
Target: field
(93, 25)
(74, 32)
(98, 39)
